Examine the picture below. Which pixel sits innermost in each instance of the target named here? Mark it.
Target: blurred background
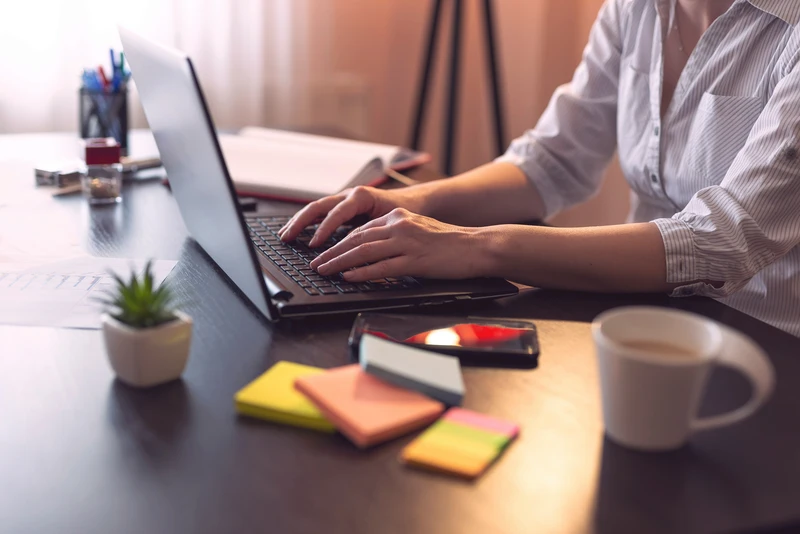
(346, 66)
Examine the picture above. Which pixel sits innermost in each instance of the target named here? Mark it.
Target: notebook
(272, 396)
(462, 443)
(301, 167)
(366, 409)
(435, 375)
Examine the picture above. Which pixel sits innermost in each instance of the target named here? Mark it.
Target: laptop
(274, 276)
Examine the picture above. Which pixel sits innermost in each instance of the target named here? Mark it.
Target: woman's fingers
(357, 237)
(359, 201)
(368, 252)
(308, 215)
(389, 268)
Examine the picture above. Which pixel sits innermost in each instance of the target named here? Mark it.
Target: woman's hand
(337, 209)
(402, 243)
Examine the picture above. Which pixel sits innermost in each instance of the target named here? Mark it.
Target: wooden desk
(80, 452)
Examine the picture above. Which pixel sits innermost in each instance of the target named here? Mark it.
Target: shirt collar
(786, 10)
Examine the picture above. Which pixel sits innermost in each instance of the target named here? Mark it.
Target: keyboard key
(311, 291)
(364, 287)
(328, 290)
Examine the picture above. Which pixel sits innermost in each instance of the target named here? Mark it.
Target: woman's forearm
(495, 193)
(621, 258)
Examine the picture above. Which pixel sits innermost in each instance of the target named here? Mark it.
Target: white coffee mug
(654, 365)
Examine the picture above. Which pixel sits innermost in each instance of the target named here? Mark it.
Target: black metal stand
(453, 86)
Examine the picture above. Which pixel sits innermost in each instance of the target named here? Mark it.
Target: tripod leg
(452, 103)
(422, 91)
(494, 82)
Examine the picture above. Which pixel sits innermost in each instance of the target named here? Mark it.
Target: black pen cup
(104, 114)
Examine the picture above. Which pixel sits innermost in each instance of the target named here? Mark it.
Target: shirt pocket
(719, 131)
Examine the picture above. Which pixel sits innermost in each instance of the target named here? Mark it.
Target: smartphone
(475, 341)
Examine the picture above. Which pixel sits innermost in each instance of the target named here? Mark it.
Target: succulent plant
(137, 303)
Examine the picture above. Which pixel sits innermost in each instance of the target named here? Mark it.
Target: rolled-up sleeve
(565, 155)
(729, 232)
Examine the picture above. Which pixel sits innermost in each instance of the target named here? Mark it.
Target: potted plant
(147, 340)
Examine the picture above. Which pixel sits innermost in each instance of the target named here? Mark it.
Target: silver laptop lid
(184, 133)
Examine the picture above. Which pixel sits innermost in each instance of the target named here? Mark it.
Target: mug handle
(741, 353)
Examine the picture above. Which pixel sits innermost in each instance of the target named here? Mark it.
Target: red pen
(103, 78)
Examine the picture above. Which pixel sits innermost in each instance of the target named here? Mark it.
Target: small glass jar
(101, 176)
(102, 184)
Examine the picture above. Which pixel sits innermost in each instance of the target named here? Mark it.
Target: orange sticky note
(443, 458)
(366, 409)
(462, 443)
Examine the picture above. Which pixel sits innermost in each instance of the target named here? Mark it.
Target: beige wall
(540, 43)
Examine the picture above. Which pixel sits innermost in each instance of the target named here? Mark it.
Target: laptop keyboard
(294, 259)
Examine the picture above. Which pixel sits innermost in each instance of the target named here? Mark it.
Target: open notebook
(301, 167)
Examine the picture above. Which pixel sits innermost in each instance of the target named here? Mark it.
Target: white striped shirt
(719, 175)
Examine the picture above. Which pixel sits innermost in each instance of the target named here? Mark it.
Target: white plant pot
(148, 356)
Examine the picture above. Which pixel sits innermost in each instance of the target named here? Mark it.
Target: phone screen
(476, 341)
(472, 335)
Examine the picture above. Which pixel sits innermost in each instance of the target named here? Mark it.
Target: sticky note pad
(272, 396)
(435, 375)
(462, 443)
(367, 409)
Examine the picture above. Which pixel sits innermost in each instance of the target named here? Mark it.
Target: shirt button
(654, 178)
(656, 131)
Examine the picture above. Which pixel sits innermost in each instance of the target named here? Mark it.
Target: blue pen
(114, 71)
(90, 80)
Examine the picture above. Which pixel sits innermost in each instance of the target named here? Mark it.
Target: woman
(702, 100)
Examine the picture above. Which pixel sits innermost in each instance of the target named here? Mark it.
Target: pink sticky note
(477, 420)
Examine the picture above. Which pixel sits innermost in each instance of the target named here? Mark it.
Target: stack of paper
(68, 293)
(272, 396)
(461, 443)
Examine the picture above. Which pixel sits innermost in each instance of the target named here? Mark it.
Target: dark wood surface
(80, 452)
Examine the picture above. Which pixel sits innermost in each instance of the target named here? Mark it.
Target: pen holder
(104, 114)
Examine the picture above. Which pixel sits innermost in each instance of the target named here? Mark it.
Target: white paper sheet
(64, 294)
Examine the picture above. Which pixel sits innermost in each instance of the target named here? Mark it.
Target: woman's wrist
(421, 198)
(487, 251)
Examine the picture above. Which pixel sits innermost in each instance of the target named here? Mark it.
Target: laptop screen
(184, 133)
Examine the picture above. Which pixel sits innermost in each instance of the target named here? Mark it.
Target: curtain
(349, 67)
(245, 52)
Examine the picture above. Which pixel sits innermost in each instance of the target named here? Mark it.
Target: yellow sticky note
(272, 396)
